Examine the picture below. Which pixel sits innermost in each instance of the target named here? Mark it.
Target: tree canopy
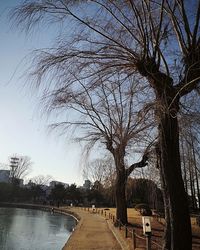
(157, 41)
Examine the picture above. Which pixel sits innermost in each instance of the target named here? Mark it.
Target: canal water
(26, 229)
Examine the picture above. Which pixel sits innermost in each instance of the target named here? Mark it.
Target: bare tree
(189, 152)
(189, 141)
(110, 174)
(103, 172)
(112, 114)
(97, 170)
(41, 180)
(38, 186)
(159, 40)
(23, 166)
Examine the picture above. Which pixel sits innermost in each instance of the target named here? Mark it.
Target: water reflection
(24, 229)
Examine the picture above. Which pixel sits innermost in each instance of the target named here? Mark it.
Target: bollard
(148, 241)
(134, 239)
(198, 221)
(126, 231)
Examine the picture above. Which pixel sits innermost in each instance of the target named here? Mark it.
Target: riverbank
(93, 232)
(41, 207)
(34, 228)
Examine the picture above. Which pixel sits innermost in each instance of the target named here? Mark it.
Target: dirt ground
(91, 233)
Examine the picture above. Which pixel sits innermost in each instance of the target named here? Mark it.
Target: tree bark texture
(174, 192)
(120, 197)
(120, 190)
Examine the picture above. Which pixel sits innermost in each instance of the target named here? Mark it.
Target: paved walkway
(91, 233)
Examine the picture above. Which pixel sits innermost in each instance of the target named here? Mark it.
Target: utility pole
(14, 163)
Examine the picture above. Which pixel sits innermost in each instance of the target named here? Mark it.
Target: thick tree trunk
(167, 235)
(178, 233)
(120, 186)
(167, 230)
(120, 197)
(176, 201)
(121, 180)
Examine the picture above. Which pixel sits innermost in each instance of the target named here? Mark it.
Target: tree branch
(140, 164)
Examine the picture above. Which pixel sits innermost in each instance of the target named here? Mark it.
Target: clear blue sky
(22, 130)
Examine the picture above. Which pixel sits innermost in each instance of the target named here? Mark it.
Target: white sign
(146, 224)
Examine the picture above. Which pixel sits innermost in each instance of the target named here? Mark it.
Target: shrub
(144, 209)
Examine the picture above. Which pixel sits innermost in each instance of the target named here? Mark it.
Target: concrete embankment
(41, 207)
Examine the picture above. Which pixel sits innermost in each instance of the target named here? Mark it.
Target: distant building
(87, 184)
(54, 183)
(5, 176)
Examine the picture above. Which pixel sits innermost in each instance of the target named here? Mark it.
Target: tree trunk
(191, 176)
(120, 189)
(184, 167)
(176, 201)
(167, 230)
(195, 171)
(167, 235)
(197, 186)
(120, 197)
